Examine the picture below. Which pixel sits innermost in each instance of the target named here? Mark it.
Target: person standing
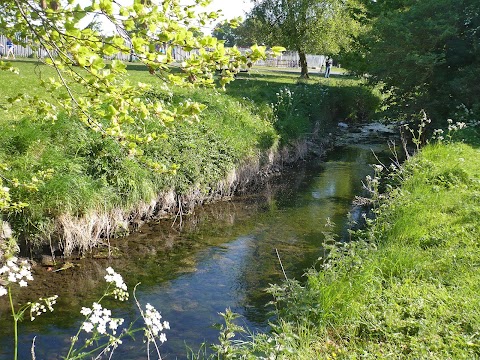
(10, 48)
(328, 66)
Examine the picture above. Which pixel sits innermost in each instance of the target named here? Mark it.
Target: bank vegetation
(87, 189)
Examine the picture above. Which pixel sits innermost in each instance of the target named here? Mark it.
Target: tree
(306, 26)
(426, 55)
(248, 33)
(226, 32)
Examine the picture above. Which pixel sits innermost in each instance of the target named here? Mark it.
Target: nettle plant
(101, 333)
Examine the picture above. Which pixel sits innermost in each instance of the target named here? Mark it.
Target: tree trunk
(303, 64)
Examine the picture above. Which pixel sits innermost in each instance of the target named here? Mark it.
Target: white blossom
(154, 325)
(37, 308)
(98, 318)
(14, 272)
(85, 311)
(120, 292)
(87, 326)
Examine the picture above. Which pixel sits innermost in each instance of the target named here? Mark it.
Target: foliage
(425, 54)
(226, 32)
(305, 26)
(106, 102)
(406, 287)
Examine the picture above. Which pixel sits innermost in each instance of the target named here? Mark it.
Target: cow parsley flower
(154, 325)
(38, 308)
(120, 292)
(15, 272)
(100, 320)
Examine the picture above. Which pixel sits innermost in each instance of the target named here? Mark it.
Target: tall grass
(407, 288)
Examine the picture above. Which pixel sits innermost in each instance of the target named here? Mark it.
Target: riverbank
(88, 190)
(408, 288)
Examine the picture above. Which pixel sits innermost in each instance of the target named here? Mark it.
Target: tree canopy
(305, 26)
(226, 32)
(425, 54)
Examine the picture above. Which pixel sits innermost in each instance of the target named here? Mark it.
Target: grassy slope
(92, 174)
(414, 294)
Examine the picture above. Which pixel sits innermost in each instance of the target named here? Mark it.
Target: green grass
(408, 288)
(93, 174)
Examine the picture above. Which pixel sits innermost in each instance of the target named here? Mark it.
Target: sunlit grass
(93, 174)
(413, 291)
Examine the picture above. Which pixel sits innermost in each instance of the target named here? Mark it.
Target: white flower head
(100, 320)
(154, 325)
(120, 292)
(87, 326)
(38, 308)
(16, 272)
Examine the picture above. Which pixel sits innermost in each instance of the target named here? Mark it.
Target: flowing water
(223, 255)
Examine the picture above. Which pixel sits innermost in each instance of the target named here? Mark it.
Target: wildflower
(154, 324)
(98, 318)
(85, 311)
(162, 337)
(14, 272)
(120, 292)
(87, 326)
(3, 291)
(37, 308)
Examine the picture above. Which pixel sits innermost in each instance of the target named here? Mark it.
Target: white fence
(288, 59)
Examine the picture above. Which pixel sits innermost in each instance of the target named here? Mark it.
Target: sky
(231, 8)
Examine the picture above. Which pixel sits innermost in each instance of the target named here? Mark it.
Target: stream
(222, 256)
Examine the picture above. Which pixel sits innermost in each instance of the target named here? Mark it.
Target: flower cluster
(98, 319)
(14, 272)
(120, 292)
(456, 126)
(438, 134)
(37, 308)
(154, 323)
(284, 105)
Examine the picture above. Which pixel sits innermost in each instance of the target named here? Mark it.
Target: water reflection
(224, 255)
